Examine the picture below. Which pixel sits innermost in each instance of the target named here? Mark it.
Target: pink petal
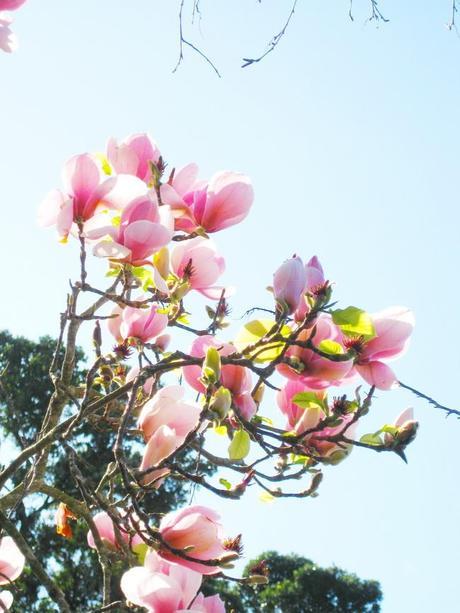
(378, 374)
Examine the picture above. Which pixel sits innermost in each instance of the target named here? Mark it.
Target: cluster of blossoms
(153, 228)
(8, 41)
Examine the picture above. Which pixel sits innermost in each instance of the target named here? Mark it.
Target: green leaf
(239, 447)
(304, 400)
(331, 347)
(389, 429)
(141, 551)
(226, 484)
(255, 330)
(354, 322)
(372, 439)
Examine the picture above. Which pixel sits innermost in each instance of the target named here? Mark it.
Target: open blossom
(316, 371)
(236, 379)
(141, 230)
(289, 283)
(133, 156)
(393, 327)
(195, 529)
(11, 560)
(219, 204)
(196, 262)
(300, 420)
(165, 421)
(168, 407)
(161, 587)
(141, 324)
(85, 186)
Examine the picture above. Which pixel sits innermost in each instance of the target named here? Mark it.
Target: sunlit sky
(350, 134)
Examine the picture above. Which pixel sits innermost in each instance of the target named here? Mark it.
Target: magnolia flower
(314, 370)
(161, 587)
(6, 599)
(133, 156)
(393, 327)
(141, 230)
(197, 531)
(141, 324)
(223, 202)
(289, 284)
(196, 263)
(10, 5)
(236, 379)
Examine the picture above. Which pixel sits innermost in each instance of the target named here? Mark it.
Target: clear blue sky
(351, 136)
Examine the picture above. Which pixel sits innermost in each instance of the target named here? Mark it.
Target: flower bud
(221, 403)
(210, 372)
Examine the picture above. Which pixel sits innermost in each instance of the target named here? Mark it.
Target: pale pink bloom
(11, 560)
(301, 420)
(314, 278)
(393, 328)
(182, 182)
(133, 155)
(168, 407)
(318, 371)
(106, 530)
(142, 230)
(10, 5)
(85, 186)
(142, 324)
(160, 587)
(163, 443)
(6, 599)
(236, 379)
(197, 262)
(289, 283)
(295, 414)
(197, 530)
(223, 202)
(8, 40)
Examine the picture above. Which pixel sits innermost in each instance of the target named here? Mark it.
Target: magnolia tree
(165, 385)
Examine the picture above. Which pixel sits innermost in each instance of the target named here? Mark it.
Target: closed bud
(211, 367)
(221, 403)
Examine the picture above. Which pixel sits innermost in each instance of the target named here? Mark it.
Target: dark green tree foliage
(297, 585)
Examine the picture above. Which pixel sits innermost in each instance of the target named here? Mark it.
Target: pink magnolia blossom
(165, 421)
(289, 283)
(236, 379)
(8, 40)
(223, 202)
(6, 599)
(168, 407)
(314, 278)
(141, 324)
(316, 371)
(106, 530)
(159, 586)
(393, 328)
(301, 420)
(11, 560)
(85, 187)
(197, 530)
(10, 5)
(133, 156)
(142, 230)
(196, 261)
